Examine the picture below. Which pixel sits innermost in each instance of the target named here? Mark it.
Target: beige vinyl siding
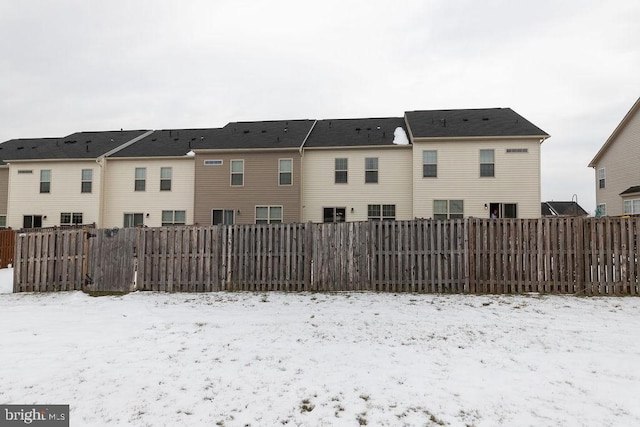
(260, 185)
(516, 180)
(321, 191)
(120, 197)
(65, 196)
(4, 189)
(620, 162)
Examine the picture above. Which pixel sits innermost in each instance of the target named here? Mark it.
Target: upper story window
(237, 172)
(141, 179)
(87, 180)
(165, 179)
(448, 209)
(268, 214)
(341, 171)
(381, 212)
(601, 178)
(487, 163)
(45, 181)
(429, 164)
(285, 172)
(371, 170)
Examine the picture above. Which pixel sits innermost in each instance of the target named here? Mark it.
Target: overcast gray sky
(570, 67)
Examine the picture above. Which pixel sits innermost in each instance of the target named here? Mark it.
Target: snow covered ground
(347, 359)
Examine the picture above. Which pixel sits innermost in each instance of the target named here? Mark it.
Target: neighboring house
(353, 171)
(151, 182)
(249, 172)
(475, 163)
(58, 181)
(617, 168)
(562, 209)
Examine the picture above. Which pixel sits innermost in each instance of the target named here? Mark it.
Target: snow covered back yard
(346, 359)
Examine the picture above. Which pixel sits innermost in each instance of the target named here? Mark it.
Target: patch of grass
(307, 406)
(362, 420)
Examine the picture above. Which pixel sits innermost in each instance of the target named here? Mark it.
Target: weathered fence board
(566, 256)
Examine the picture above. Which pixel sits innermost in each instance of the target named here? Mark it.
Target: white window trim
(281, 172)
(602, 176)
(223, 211)
(269, 207)
(231, 173)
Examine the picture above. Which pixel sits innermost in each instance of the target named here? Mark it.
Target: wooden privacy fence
(7, 248)
(567, 255)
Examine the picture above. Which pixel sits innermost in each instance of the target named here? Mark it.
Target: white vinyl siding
(120, 197)
(516, 177)
(24, 197)
(320, 190)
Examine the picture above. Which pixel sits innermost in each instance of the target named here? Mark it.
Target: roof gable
(623, 123)
(488, 122)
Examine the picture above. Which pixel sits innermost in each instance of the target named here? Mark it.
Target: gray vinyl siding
(213, 189)
(622, 170)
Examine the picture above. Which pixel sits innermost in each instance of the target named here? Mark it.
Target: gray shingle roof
(79, 145)
(470, 123)
(562, 209)
(168, 143)
(256, 135)
(354, 132)
(18, 148)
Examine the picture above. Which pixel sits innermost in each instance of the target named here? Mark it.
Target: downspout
(301, 151)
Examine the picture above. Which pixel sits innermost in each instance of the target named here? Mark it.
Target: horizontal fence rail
(583, 256)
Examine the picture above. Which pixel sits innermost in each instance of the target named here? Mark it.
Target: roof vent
(246, 131)
(154, 139)
(264, 131)
(175, 139)
(485, 119)
(286, 129)
(465, 120)
(20, 148)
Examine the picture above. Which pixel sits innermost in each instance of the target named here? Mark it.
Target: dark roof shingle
(470, 123)
(257, 135)
(79, 145)
(354, 132)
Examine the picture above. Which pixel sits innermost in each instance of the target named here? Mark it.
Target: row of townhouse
(428, 164)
